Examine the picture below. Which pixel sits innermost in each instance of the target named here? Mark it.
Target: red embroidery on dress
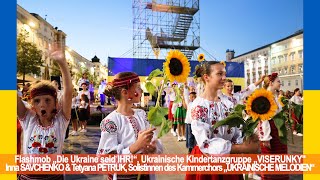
(206, 145)
(199, 113)
(135, 125)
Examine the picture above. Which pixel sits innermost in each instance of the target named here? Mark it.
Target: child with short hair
(44, 126)
(190, 140)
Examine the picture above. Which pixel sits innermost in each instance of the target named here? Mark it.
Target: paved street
(87, 143)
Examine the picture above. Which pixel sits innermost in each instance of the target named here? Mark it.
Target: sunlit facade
(44, 35)
(284, 56)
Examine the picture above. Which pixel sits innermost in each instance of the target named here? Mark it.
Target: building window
(297, 83)
(289, 83)
(300, 68)
(273, 60)
(285, 57)
(301, 54)
(292, 56)
(285, 70)
(280, 59)
(292, 69)
(282, 82)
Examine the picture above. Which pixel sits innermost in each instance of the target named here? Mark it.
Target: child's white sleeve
(109, 142)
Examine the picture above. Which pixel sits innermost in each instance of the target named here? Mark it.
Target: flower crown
(272, 76)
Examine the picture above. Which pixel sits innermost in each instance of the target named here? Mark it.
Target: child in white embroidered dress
(43, 126)
(127, 130)
(206, 110)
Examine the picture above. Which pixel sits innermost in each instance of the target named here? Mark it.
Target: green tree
(28, 55)
(56, 69)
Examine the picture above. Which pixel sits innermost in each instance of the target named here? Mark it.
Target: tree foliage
(29, 57)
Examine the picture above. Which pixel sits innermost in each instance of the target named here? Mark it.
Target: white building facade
(284, 56)
(44, 35)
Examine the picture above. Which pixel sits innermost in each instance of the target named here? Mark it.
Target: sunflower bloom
(201, 57)
(261, 105)
(280, 101)
(223, 63)
(177, 66)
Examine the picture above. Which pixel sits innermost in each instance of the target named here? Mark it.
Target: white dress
(119, 132)
(43, 140)
(204, 114)
(238, 97)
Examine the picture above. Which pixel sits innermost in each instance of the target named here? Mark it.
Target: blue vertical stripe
(311, 45)
(8, 49)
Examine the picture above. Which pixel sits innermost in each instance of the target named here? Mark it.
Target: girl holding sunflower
(237, 98)
(206, 110)
(127, 130)
(268, 132)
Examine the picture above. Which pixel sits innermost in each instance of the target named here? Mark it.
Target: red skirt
(19, 132)
(196, 150)
(170, 115)
(276, 148)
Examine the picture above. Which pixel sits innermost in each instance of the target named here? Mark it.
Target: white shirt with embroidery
(238, 97)
(204, 114)
(43, 140)
(119, 132)
(264, 126)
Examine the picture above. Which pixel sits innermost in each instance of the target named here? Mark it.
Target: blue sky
(104, 28)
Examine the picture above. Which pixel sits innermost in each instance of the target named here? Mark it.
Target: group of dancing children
(127, 130)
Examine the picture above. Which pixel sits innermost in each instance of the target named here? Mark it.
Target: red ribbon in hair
(43, 91)
(272, 77)
(125, 81)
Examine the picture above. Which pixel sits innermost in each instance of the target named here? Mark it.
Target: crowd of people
(44, 113)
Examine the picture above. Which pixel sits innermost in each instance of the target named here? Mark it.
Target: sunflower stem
(289, 115)
(160, 91)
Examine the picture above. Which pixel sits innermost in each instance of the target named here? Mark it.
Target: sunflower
(201, 57)
(223, 63)
(261, 105)
(177, 66)
(280, 101)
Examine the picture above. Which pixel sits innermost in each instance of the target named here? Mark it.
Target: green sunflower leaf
(155, 116)
(150, 87)
(154, 73)
(165, 127)
(283, 132)
(250, 127)
(239, 107)
(297, 110)
(278, 121)
(233, 120)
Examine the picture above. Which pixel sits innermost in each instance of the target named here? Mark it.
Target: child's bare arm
(21, 108)
(59, 56)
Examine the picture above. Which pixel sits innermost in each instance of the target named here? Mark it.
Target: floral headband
(223, 63)
(272, 77)
(125, 81)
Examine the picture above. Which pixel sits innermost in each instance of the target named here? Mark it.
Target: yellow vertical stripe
(311, 124)
(8, 128)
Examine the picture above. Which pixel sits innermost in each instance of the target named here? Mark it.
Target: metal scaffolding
(161, 25)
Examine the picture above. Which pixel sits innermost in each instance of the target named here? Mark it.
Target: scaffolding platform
(171, 9)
